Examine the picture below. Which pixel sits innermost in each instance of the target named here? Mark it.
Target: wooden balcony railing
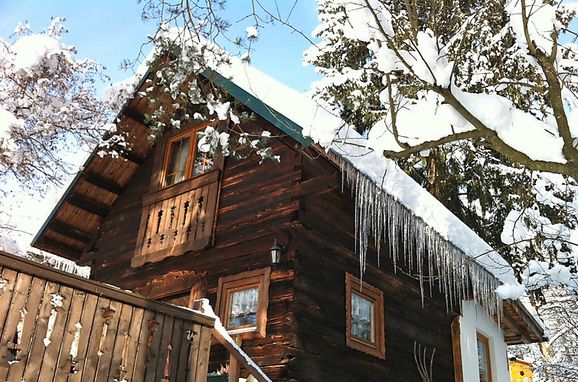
(60, 327)
(178, 219)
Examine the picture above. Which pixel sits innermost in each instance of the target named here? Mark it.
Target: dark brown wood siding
(298, 202)
(325, 252)
(258, 203)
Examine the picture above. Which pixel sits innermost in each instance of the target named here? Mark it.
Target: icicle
(378, 216)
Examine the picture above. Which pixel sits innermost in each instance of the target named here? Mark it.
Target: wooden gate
(59, 327)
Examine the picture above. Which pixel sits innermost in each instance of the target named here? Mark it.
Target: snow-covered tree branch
(48, 104)
(495, 70)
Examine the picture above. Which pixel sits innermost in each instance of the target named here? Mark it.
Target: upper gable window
(364, 317)
(183, 159)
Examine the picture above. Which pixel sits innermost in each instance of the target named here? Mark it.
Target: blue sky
(111, 30)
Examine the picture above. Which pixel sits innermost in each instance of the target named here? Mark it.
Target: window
(242, 301)
(183, 159)
(484, 364)
(364, 317)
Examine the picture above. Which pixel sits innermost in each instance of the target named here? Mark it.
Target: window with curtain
(365, 329)
(243, 308)
(242, 301)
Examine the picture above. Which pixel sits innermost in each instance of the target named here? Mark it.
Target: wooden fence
(59, 327)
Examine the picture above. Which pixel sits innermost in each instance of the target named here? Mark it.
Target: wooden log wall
(299, 203)
(325, 252)
(258, 204)
(59, 327)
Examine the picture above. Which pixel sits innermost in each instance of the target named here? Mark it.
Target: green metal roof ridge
(285, 124)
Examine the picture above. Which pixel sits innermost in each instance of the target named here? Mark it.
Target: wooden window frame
(375, 296)
(191, 132)
(259, 278)
(486, 342)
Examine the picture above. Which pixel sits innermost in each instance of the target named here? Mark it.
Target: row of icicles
(414, 245)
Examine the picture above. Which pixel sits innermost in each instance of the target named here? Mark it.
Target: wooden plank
(457, 350)
(200, 229)
(64, 364)
(142, 232)
(19, 295)
(34, 361)
(145, 335)
(93, 287)
(103, 183)
(175, 226)
(91, 359)
(118, 325)
(211, 210)
(86, 321)
(194, 351)
(165, 349)
(189, 227)
(153, 350)
(163, 244)
(32, 306)
(177, 337)
(202, 365)
(181, 187)
(119, 349)
(52, 350)
(234, 365)
(127, 365)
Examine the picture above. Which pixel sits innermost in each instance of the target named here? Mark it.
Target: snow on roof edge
(304, 111)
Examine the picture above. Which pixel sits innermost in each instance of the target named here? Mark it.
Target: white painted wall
(475, 319)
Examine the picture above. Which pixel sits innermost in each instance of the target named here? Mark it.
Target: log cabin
(331, 265)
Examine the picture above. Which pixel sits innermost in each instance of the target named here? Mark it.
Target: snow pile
(32, 51)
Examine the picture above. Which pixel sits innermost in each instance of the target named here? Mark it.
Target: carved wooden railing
(60, 327)
(178, 219)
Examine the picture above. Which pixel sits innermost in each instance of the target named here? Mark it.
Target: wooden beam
(135, 116)
(69, 231)
(519, 330)
(529, 321)
(88, 204)
(234, 366)
(104, 183)
(59, 248)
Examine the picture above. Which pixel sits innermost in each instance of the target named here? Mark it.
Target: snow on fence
(60, 327)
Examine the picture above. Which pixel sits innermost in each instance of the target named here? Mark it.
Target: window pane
(483, 360)
(177, 164)
(243, 309)
(203, 163)
(361, 318)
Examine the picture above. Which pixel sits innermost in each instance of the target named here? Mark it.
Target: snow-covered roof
(320, 125)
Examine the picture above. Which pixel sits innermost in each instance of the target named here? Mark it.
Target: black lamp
(276, 251)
